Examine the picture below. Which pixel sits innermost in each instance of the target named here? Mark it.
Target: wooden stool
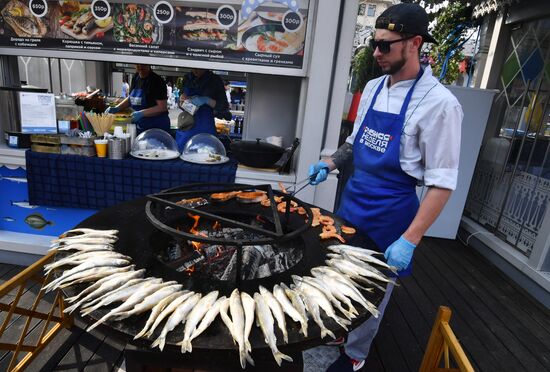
(441, 340)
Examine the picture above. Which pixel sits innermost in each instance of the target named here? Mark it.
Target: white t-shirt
(430, 141)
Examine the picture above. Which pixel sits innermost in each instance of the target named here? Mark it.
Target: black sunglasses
(384, 46)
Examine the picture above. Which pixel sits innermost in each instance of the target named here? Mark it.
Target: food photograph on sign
(136, 24)
(264, 31)
(200, 26)
(77, 21)
(16, 19)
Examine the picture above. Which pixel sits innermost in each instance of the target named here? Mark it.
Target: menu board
(269, 35)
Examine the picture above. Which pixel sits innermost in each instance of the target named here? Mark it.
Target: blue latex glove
(200, 100)
(400, 253)
(137, 116)
(112, 110)
(318, 173)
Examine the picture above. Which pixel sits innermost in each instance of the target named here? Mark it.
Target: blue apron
(139, 102)
(204, 118)
(380, 198)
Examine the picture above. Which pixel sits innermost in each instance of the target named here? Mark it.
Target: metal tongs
(299, 186)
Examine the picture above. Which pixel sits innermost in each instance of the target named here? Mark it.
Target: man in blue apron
(148, 98)
(407, 131)
(206, 91)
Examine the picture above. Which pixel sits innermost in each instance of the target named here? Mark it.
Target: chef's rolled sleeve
(440, 146)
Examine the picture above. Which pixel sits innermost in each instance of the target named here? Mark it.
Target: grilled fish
(277, 311)
(168, 310)
(248, 305)
(178, 317)
(265, 320)
(208, 318)
(316, 296)
(313, 309)
(195, 317)
(157, 309)
(289, 309)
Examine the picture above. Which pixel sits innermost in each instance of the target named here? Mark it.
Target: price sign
(101, 9)
(164, 12)
(226, 16)
(292, 21)
(38, 8)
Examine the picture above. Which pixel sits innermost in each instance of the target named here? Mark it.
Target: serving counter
(96, 183)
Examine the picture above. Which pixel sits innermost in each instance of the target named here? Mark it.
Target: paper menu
(37, 112)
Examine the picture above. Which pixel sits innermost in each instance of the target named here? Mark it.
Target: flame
(217, 225)
(218, 252)
(260, 219)
(190, 270)
(195, 231)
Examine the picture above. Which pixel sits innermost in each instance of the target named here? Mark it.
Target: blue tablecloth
(95, 183)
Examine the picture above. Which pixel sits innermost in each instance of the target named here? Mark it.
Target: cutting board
(90, 36)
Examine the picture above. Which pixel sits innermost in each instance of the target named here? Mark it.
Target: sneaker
(344, 364)
(337, 341)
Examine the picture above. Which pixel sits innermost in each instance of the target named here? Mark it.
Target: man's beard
(396, 66)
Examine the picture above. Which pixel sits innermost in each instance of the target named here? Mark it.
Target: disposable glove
(200, 100)
(112, 110)
(399, 253)
(318, 173)
(137, 116)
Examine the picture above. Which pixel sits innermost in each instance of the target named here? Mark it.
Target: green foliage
(364, 68)
(448, 37)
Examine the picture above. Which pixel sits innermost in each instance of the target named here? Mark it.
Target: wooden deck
(500, 327)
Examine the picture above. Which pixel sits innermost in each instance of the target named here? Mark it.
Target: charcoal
(252, 258)
(263, 271)
(231, 267)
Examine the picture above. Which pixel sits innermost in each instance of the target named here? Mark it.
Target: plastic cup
(101, 147)
(118, 131)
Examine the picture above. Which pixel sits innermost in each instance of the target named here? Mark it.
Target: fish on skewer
(277, 311)
(78, 258)
(135, 298)
(328, 294)
(155, 312)
(89, 275)
(224, 307)
(148, 302)
(265, 320)
(327, 270)
(315, 295)
(342, 289)
(249, 306)
(102, 287)
(296, 301)
(84, 240)
(362, 257)
(335, 297)
(90, 264)
(208, 318)
(194, 317)
(289, 309)
(178, 317)
(119, 295)
(313, 309)
(349, 248)
(84, 231)
(237, 319)
(352, 270)
(83, 247)
(168, 310)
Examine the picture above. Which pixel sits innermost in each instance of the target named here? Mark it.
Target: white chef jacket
(430, 141)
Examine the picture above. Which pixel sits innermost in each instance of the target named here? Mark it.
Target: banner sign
(272, 34)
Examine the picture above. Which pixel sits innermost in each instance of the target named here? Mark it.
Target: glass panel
(511, 186)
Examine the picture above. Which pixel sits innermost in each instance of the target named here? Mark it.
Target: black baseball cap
(406, 18)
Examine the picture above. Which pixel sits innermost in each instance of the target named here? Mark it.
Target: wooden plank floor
(499, 325)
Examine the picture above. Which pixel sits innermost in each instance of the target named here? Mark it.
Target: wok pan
(256, 153)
